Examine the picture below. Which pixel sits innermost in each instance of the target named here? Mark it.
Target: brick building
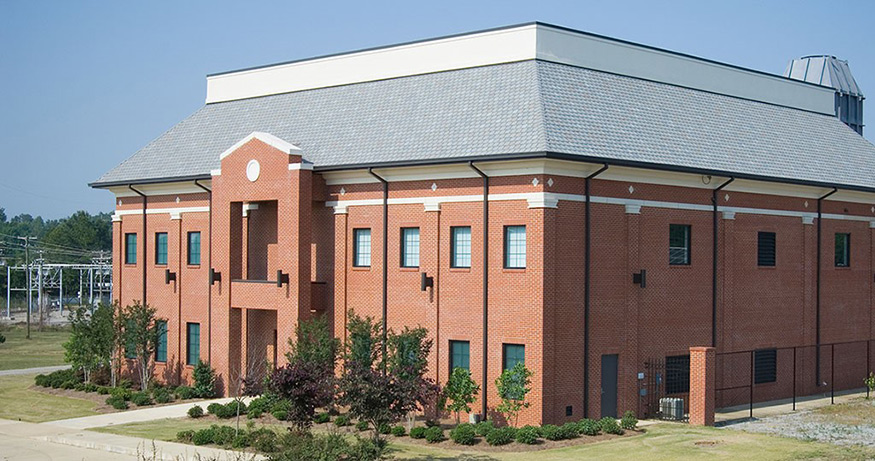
(579, 203)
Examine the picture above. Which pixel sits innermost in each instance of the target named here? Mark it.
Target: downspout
(209, 267)
(817, 287)
(484, 362)
(587, 237)
(145, 238)
(385, 260)
(714, 262)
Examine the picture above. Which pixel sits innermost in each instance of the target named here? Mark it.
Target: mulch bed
(98, 399)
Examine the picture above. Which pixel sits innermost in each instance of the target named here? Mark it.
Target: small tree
(461, 390)
(870, 382)
(513, 386)
(141, 334)
(314, 344)
(204, 380)
(79, 350)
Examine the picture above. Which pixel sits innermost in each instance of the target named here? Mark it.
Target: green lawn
(44, 348)
(21, 403)
(660, 442)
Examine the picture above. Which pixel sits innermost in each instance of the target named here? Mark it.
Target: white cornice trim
(139, 211)
(165, 188)
(267, 138)
(301, 166)
(216, 172)
(633, 209)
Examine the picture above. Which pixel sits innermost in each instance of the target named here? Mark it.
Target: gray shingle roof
(524, 107)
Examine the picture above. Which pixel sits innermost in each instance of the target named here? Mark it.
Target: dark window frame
(404, 249)
(505, 355)
(767, 249)
(159, 261)
(843, 258)
(687, 245)
(161, 344)
(131, 253)
(452, 354)
(355, 246)
(190, 252)
(453, 252)
(677, 374)
(189, 344)
(507, 246)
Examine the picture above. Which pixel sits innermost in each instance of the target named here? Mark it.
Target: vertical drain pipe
(385, 259)
(145, 239)
(817, 289)
(587, 233)
(209, 267)
(484, 361)
(714, 262)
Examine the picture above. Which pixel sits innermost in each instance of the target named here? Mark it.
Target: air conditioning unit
(671, 408)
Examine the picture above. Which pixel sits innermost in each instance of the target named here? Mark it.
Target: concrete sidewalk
(134, 416)
(33, 371)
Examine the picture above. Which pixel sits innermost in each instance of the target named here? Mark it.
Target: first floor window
(193, 344)
(765, 366)
(766, 249)
(161, 248)
(677, 374)
(515, 247)
(843, 250)
(513, 354)
(161, 346)
(130, 248)
(362, 248)
(410, 247)
(678, 244)
(460, 247)
(460, 355)
(194, 248)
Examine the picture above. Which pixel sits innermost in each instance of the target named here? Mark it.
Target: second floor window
(461, 247)
(843, 250)
(678, 244)
(161, 248)
(410, 247)
(194, 248)
(130, 248)
(362, 248)
(515, 247)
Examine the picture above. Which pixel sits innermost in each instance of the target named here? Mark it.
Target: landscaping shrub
(203, 436)
(263, 440)
(629, 422)
(258, 406)
(528, 435)
(361, 425)
(68, 384)
(609, 425)
(280, 414)
(57, 378)
(184, 392)
(500, 436)
(463, 434)
(588, 427)
(232, 410)
(241, 440)
(41, 380)
(321, 418)
(418, 432)
(117, 402)
(296, 446)
(162, 395)
(552, 432)
(103, 390)
(195, 412)
(141, 399)
(570, 430)
(384, 429)
(434, 434)
(185, 436)
(121, 392)
(342, 420)
(399, 431)
(90, 387)
(214, 407)
(223, 435)
(79, 387)
(483, 428)
(204, 380)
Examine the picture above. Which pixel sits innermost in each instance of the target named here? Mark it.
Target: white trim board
(139, 211)
(267, 138)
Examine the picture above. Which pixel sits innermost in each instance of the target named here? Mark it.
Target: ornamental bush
(223, 435)
(417, 432)
(184, 392)
(500, 436)
(263, 440)
(629, 422)
(552, 432)
(117, 402)
(528, 435)
(141, 399)
(162, 395)
(384, 429)
(281, 415)
(321, 418)
(203, 436)
(434, 435)
(399, 431)
(609, 425)
(483, 428)
(588, 427)
(195, 412)
(204, 381)
(361, 425)
(341, 421)
(185, 436)
(463, 434)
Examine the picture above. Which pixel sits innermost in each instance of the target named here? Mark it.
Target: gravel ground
(812, 425)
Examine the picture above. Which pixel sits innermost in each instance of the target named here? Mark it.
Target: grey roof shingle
(529, 106)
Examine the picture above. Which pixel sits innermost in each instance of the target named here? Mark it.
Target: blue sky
(85, 84)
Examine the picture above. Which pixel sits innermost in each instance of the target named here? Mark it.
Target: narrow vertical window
(678, 244)
(161, 248)
(194, 248)
(130, 248)
(362, 248)
(460, 355)
(843, 250)
(410, 247)
(515, 247)
(193, 344)
(766, 249)
(513, 354)
(461, 247)
(161, 346)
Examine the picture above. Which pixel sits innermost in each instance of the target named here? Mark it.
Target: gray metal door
(609, 385)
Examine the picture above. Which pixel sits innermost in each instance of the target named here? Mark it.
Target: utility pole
(27, 241)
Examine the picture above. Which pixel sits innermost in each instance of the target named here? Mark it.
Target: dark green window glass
(193, 349)
(161, 347)
(843, 250)
(460, 354)
(513, 354)
(194, 248)
(161, 248)
(678, 244)
(130, 248)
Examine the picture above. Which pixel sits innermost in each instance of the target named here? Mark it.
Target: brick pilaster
(702, 385)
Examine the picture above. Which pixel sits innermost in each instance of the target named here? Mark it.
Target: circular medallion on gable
(253, 169)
